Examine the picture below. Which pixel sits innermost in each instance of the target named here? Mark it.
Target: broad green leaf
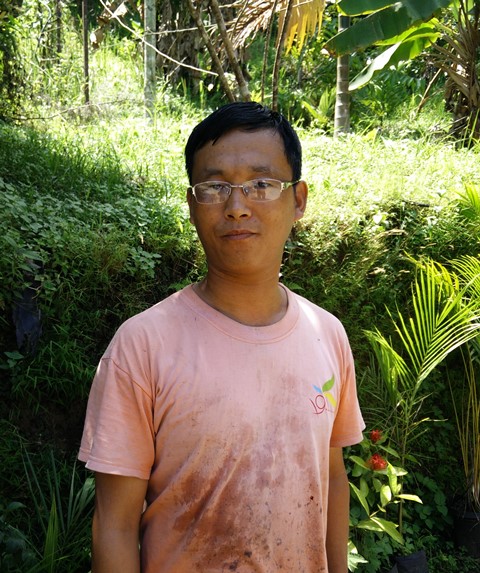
(413, 45)
(378, 64)
(362, 7)
(389, 528)
(360, 461)
(401, 471)
(354, 560)
(31, 255)
(392, 480)
(364, 487)
(410, 497)
(353, 556)
(370, 525)
(361, 498)
(382, 24)
(426, 29)
(377, 484)
(378, 524)
(385, 495)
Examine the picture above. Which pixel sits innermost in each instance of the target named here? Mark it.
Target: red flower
(375, 436)
(376, 462)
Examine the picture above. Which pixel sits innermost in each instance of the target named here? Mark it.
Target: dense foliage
(95, 229)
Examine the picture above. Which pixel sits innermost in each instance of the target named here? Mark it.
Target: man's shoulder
(166, 312)
(307, 305)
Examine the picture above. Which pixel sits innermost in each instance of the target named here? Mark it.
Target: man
(217, 418)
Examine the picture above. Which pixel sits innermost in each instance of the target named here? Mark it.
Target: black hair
(248, 116)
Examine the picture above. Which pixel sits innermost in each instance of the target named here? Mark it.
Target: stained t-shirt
(232, 425)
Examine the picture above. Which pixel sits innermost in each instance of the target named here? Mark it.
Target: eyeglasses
(261, 190)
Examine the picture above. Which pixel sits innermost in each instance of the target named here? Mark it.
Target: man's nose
(237, 205)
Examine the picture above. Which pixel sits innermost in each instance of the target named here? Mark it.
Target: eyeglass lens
(255, 190)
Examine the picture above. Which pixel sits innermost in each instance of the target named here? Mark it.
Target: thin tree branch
(278, 54)
(211, 49)
(242, 84)
(267, 45)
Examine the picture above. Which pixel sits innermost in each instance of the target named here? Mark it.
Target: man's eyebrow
(261, 169)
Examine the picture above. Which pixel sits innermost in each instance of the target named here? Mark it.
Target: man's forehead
(211, 170)
(253, 131)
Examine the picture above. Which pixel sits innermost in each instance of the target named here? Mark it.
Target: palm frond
(392, 366)
(254, 16)
(470, 202)
(468, 268)
(442, 320)
(305, 19)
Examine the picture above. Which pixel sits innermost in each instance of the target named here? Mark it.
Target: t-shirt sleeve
(348, 425)
(118, 436)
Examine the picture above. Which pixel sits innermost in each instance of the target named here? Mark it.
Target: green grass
(356, 175)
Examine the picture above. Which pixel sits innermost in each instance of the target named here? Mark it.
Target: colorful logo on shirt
(324, 401)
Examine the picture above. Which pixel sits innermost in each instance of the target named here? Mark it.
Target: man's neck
(250, 303)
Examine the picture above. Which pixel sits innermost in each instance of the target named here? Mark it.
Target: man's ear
(190, 201)
(301, 194)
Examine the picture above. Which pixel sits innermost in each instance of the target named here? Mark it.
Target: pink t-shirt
(231, 425)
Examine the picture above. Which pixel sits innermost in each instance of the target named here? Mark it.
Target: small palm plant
(444, 317)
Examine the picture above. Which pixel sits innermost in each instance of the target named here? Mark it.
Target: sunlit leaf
(412, 45)
(410, 497)
(385, 495)
(393, 20)
(389, 528)
(361, 498)
(378, 524)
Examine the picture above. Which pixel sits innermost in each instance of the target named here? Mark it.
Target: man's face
(242, 237)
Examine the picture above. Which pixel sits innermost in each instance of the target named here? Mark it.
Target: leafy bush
(85, 247)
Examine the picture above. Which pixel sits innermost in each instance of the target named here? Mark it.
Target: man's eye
(262, 184)
(218, 187)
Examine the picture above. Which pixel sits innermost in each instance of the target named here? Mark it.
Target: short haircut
(247, 116)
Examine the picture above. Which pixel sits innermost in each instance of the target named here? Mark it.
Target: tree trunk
(149, 85)
(342, 99)
(58, 16)
(86, 74)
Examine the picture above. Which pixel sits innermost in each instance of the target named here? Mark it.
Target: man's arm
(338, 513)
(116, 521)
